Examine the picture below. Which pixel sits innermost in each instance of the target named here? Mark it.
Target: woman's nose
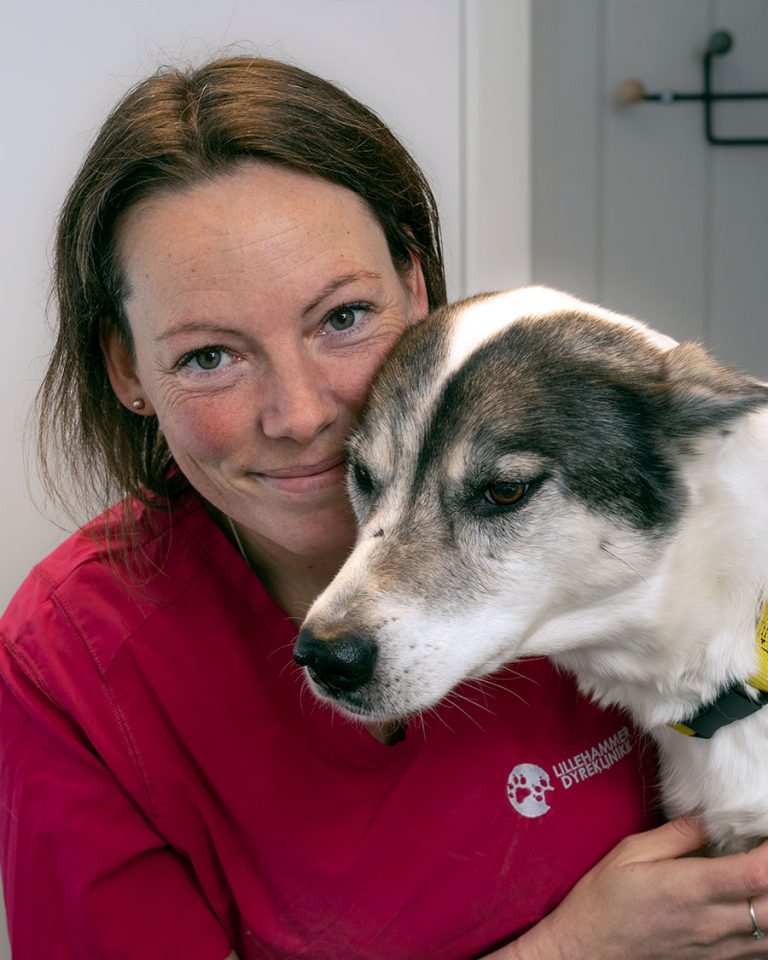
(298, 404)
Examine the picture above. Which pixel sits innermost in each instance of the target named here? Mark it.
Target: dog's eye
(362, 478)
(506, 494)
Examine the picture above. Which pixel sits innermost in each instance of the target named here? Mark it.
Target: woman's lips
(306, 478)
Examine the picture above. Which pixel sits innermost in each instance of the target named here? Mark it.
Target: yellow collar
(760, 679)
(735, 702)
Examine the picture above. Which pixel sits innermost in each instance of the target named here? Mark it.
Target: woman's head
(261, 302)
(173, 131)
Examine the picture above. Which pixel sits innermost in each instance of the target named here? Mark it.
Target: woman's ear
(121, 370)
(417, 290)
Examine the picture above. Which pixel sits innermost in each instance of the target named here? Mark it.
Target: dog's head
(515, 477)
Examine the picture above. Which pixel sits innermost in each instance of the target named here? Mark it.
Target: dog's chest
(724, 779)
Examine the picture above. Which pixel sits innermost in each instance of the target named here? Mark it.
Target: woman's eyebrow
(336, 284)
(196, 326)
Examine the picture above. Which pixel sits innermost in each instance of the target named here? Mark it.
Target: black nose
(341, 663)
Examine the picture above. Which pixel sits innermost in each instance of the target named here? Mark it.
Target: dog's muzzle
(339, 664)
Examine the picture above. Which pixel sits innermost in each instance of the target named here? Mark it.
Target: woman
(243, 245)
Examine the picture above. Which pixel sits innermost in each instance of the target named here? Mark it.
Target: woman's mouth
(306, 478)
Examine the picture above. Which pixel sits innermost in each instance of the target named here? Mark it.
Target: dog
(534, 475)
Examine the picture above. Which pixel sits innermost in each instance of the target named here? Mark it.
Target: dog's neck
(673, 641)
(737, 701)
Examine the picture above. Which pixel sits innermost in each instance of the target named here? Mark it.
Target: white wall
(432, 68)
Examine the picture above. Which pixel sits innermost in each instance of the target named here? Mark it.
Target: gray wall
(632, 207)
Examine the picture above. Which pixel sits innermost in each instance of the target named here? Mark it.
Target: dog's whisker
(439, 716)
(475, 703)
(304, 607)
(517, 675)
(453, 699)
(314, 702)
(488, 691)
(423, 725)
(624, 562)
(280, 648)
(495, 685)
(289, 666)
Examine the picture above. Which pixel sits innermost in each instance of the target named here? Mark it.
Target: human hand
(647, 901)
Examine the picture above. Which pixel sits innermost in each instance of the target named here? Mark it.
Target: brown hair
(174, 129)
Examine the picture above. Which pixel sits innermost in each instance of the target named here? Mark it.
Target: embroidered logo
(527, 788)
(529, 784)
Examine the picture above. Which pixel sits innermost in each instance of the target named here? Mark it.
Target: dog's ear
(700, 393)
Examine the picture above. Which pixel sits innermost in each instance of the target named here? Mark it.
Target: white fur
(483, 319)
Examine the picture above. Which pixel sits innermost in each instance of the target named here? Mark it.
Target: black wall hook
(720, 43)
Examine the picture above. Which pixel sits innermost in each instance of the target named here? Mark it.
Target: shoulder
(84, 600)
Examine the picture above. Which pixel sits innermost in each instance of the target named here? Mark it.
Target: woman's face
(261, 304)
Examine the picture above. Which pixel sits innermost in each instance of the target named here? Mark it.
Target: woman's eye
(345, 318)
(506, 494)
(207, 359)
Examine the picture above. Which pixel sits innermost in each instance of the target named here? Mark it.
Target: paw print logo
(527, 787)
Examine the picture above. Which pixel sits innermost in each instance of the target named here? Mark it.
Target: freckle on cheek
(205, 435)
(359, 382)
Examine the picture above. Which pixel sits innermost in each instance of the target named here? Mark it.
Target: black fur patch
(594, 399)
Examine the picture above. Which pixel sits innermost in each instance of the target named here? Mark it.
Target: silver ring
(757, 933)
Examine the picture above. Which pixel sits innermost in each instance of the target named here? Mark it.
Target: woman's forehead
(264, 196)
(258, 219)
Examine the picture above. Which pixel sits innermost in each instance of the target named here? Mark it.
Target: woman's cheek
(203, 429)
(360, 376)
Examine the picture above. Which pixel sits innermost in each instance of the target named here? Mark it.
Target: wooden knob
(631, 91)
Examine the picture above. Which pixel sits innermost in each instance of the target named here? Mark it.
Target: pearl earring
(138, 404)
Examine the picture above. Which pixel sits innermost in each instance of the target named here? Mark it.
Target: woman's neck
(295, 585)
(293, 580)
